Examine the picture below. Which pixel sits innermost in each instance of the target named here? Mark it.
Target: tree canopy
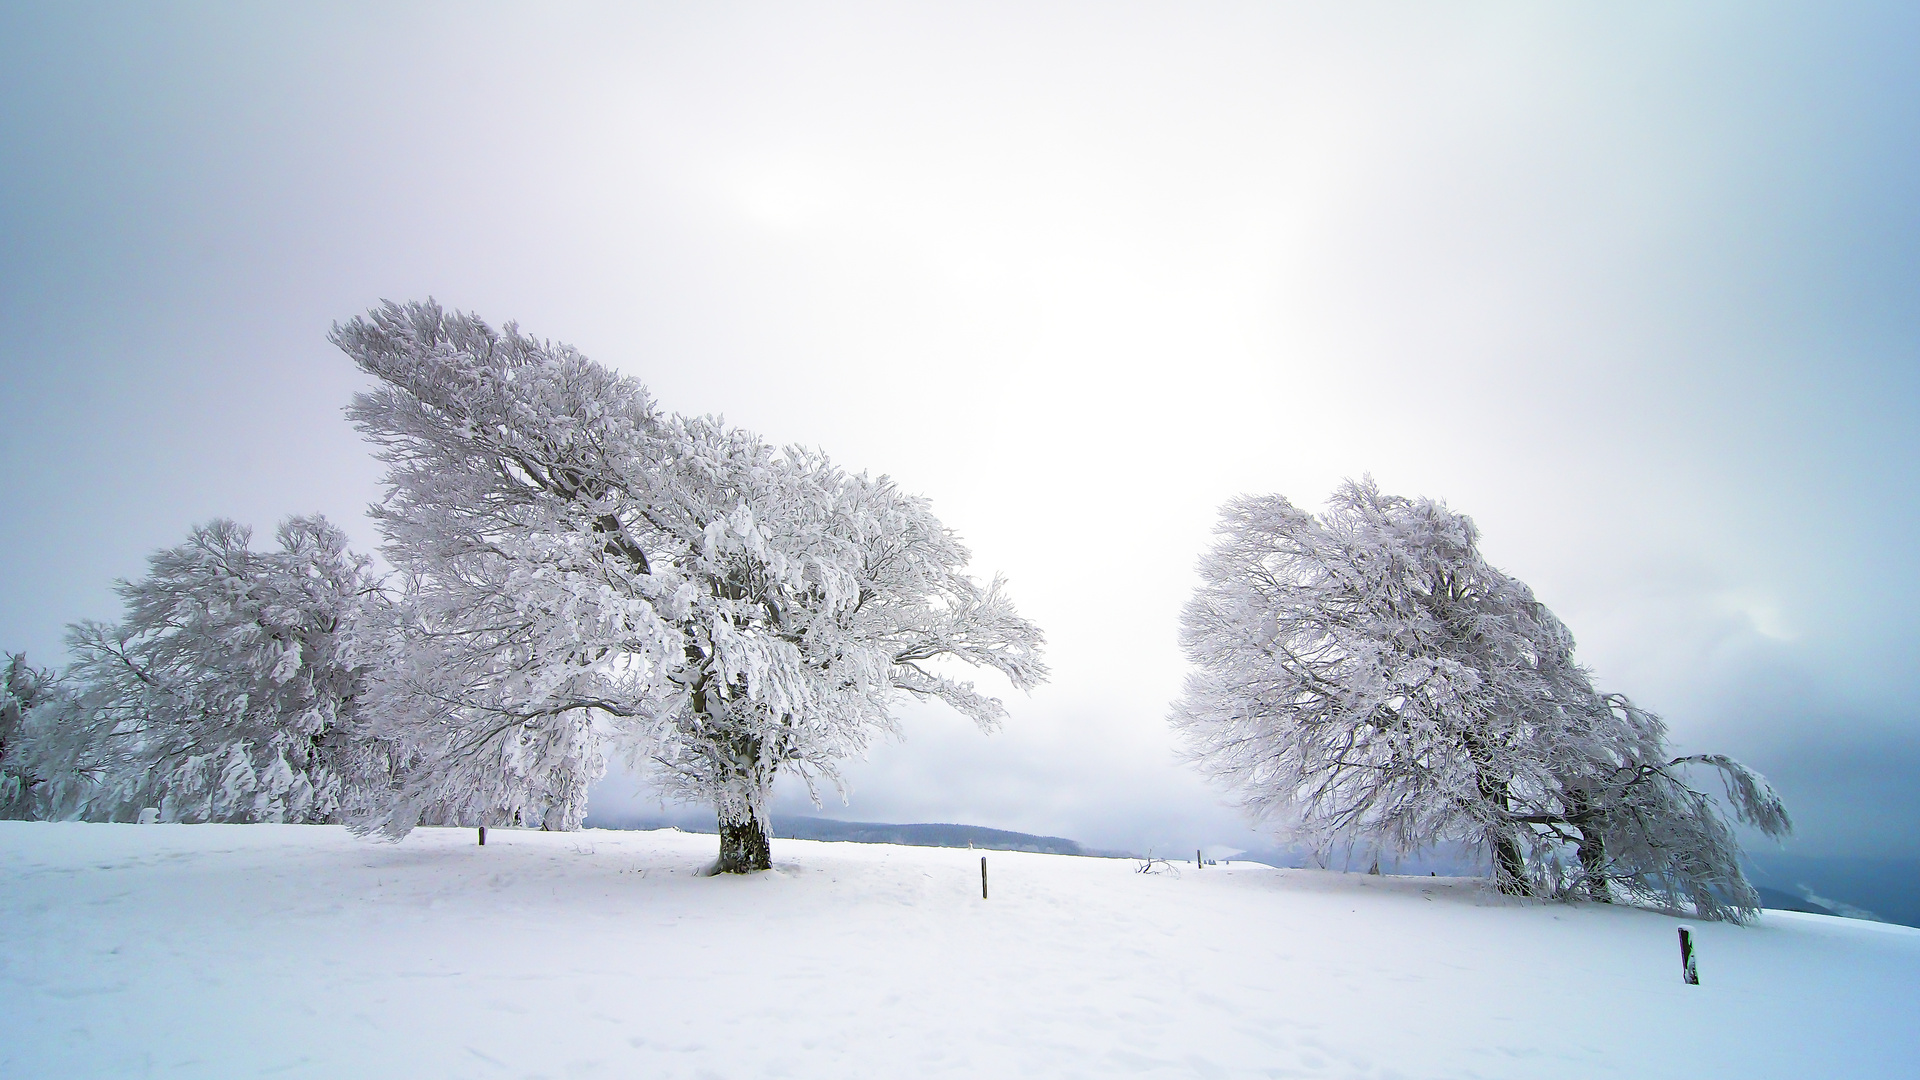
(228, 692)
(1366, 674)
(580, 568)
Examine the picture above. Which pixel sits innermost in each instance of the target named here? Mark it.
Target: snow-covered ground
(227, 951)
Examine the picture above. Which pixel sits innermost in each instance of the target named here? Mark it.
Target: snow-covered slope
(221, 951)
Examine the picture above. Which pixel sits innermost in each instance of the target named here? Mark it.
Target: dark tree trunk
(1509, 867)
(1593, 860)
(743, 848)
(1592, 849)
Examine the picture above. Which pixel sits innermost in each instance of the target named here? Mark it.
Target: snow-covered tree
(819, 598)
(581, 567)
(1366, 675)
(1640, 828)
(22, 686)
(227, 693)
(520, 485)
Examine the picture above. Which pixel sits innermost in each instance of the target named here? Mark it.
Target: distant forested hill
(875, 832)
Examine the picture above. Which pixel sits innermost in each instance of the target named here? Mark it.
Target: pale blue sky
(1636, 286)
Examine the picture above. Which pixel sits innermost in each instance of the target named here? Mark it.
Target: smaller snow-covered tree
(1639, 825)
(22, 687)
(228, 691)
(1366, 674)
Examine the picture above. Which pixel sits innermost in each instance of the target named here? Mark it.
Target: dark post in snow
(983, 877)
(483, 836)
(1689, 974)
(1196, 859)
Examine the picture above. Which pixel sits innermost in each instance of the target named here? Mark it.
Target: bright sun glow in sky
(1637, 287)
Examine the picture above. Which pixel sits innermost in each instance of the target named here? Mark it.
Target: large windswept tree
(579, 567)
(1366, 675)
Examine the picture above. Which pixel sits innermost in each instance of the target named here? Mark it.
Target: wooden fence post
(983, 877)
(483, 836)
(1689, 973)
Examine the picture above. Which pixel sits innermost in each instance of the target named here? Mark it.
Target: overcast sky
(1636, 287)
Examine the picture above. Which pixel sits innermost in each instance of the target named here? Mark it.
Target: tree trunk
(1509, 867)
(743, 848)
(1593, 860)
(1592, 848)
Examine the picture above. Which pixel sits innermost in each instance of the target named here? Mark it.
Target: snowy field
(250, 950)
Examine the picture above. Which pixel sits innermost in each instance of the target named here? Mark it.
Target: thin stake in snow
(1196, 860)
(1689, 974)
(983, 877)
(483, 836)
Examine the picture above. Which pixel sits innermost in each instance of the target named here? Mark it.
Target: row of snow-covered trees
(574, 573)
(1366, 675)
